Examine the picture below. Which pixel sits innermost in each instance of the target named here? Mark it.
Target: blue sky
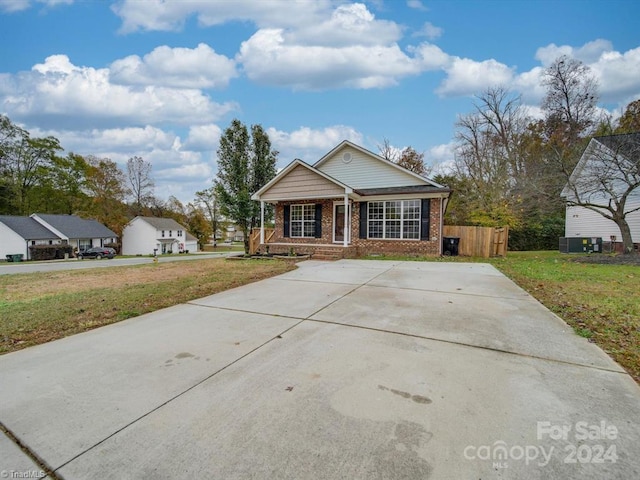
(162, 79)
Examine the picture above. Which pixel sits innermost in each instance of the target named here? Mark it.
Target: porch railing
(254, 238)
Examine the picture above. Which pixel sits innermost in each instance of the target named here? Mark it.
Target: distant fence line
(479, 241)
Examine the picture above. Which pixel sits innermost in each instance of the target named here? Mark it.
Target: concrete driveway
(349, 369)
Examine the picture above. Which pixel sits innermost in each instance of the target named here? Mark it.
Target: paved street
(75, 264)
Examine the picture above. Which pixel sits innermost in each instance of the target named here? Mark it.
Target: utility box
(580, 244)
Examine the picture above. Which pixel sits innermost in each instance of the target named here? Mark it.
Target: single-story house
(350, 203)
(148, 235)
(17, 234)
(80, 233)
(581, 221)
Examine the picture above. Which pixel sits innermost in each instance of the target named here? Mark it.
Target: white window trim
(402, 220)
(303, 221)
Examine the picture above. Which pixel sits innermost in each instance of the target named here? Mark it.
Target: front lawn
(39, 307)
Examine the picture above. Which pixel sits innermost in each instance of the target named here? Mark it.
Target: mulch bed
(603, 259)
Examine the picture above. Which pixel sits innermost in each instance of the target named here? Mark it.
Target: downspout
(345, 240)
(261, 222)
(441, 225)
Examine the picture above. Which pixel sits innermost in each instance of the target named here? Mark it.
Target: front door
(338, 224)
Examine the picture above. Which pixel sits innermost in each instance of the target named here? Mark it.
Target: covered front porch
(318, 251)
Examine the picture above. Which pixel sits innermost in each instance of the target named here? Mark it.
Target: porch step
(328, 254)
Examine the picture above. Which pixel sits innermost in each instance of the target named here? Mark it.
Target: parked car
(97, 253)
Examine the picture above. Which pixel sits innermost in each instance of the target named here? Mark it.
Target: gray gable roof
(75, 227)
(163, 223)
(28, 228)
(627, 144)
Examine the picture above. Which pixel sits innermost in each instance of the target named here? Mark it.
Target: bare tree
(571, 98)
(407, 157)
(389, 152)
(490, 151)
(141, 182)
(607, 181)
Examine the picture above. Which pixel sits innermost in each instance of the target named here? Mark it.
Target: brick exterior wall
(359, 246)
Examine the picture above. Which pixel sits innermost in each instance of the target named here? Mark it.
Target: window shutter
(363, 219)
(286, 217)
(318, 220)
(425, 218)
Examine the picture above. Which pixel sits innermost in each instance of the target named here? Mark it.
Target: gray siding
(363, 171)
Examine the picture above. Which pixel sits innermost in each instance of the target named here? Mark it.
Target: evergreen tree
(245, 163)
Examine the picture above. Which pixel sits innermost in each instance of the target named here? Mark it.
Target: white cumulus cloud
(61, 94)
(203, 137)
(199, 67)
(310, 144)
(267, 58)
(170, 15)
(470, 77)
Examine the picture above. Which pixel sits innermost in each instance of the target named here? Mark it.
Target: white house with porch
(149, 235)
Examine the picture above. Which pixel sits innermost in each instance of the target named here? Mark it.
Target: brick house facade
(391, 210)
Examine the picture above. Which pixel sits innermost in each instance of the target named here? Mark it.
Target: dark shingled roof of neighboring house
(28, 228)
(75, 227)
(163, 223)
(627, 144)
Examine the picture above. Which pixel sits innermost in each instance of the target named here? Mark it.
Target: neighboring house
(583, 222)
(17, 234)
(144, 235)
(350, 203)
(234, 234)
(78, 232)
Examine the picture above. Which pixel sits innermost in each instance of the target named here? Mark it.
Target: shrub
(50, 252)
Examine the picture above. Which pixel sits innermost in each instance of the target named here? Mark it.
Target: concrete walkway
(349, 369)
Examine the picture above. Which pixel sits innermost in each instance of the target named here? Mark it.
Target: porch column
(347, 230)
(261, 222)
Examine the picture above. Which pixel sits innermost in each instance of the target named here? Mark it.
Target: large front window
(399, 219)
(303, 220)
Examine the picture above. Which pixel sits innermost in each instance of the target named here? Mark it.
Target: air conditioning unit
(580, 244)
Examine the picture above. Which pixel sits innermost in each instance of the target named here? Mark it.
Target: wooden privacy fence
(479, 241)
(254, 238)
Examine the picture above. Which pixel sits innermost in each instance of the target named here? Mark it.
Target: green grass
(39, 307)
(600, 302)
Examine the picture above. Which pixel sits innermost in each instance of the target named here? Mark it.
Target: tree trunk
(627, 241)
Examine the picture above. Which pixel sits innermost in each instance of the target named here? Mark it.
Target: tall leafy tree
(107, 187)
(198, 224)
(413, 161)
(63, 188)
(245, 163)
(25, 162)
(208, 201)
(263, 161)
(629, 122)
